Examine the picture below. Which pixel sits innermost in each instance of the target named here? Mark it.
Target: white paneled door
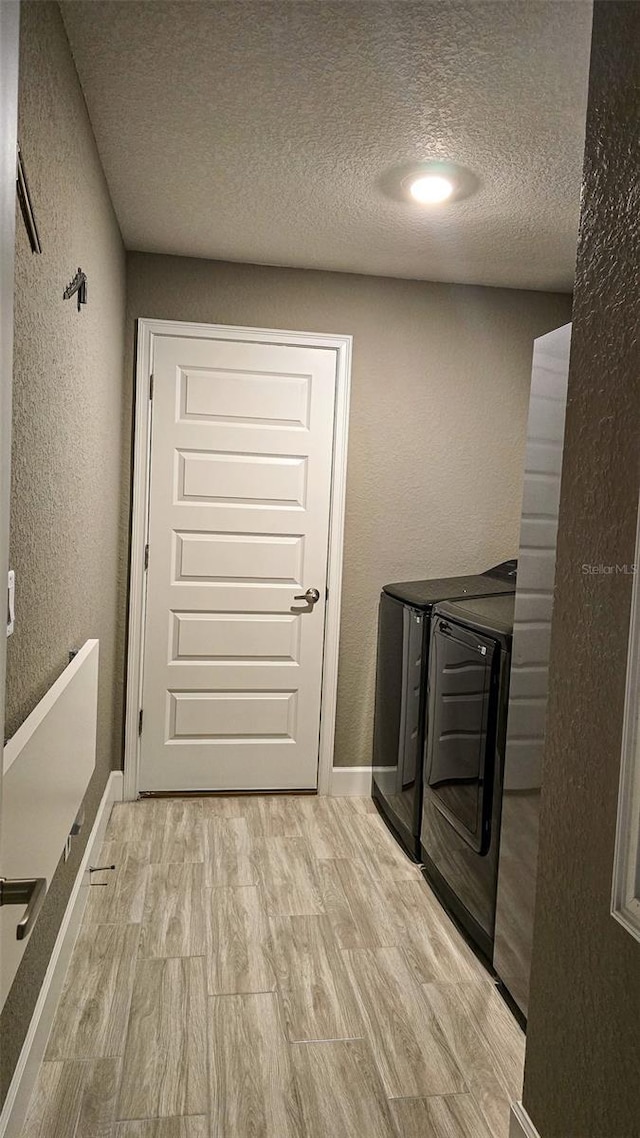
(239, 507)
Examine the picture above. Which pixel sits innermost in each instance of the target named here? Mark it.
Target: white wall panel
(530, 659)
(47, 766)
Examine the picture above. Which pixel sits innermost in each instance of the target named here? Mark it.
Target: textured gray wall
(583, 1046)
(67, 527)
(440, 392)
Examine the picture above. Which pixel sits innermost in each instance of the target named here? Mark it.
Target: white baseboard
(350, 782)
(521, 1125)
(24, 1077)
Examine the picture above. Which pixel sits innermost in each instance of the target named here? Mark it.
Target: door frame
(9, 67)
(148, 331)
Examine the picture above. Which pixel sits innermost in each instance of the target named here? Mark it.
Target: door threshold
(219, 793)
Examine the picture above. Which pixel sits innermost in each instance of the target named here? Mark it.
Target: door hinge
(151, 386)
(146, 557)
(326, 593)
(140, 722)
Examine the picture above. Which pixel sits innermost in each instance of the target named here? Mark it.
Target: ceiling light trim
(396, 183)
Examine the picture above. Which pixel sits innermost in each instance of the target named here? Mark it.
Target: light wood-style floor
(271, 967)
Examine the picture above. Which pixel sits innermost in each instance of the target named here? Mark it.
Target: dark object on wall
(77, 285)
(78, 823)
(26, 206)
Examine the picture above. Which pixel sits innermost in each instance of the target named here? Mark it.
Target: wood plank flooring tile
(450, 1116)
(164, 1066)
(328, 829)
(252, 1087)
(141, 821)
(56, 1101)
(435, 950)
(382, 854)
(182, 836)
(128, 820)
(473, 1057)
(238, 941)
(73, 1099)
(303, 949)
(317, 1013)
(408, 1044)
(274, 816)
(317, 997)
(356, 804)
(91, 1020)
(288, 876)
(340, 1091)
(191, 1126)
(99, 1099)
(505, 1041)
(354, 903)
(225, 806)
(117, 896)
(174, 918)
(228, 858)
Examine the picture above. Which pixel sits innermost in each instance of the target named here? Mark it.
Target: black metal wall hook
(79, 285)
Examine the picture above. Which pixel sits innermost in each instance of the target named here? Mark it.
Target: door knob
(29, 891)
(312, 596)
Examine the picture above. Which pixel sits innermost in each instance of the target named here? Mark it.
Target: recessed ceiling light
(430, 182)
(429, 189)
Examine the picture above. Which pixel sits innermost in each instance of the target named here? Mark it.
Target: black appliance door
(397, 747)
(409, 751)
(459, 774)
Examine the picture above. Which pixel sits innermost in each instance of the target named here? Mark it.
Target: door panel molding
(148, 333)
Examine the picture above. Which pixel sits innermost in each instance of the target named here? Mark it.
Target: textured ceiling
(260, 131)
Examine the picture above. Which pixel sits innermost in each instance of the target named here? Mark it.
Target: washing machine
(404, 633)
(467, 697)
